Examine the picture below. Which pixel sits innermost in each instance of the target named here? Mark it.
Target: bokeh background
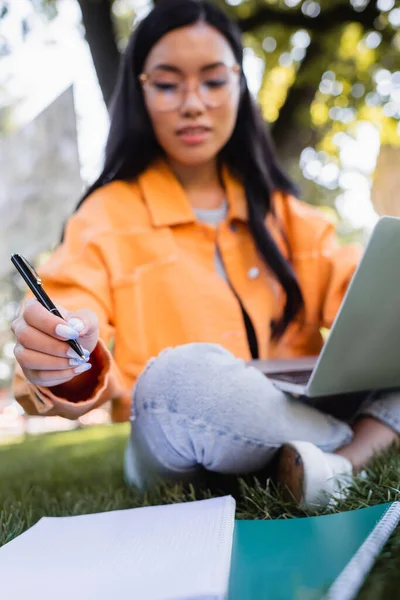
(326, 75)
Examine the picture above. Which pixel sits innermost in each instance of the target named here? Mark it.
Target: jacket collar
(167, 201)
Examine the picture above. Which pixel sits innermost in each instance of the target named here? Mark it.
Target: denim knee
(199, 404)
(208, 387)
(187, 379)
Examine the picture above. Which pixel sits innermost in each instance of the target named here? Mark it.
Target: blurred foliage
(326, 66)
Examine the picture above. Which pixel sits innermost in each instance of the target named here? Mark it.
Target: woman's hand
(42, 350)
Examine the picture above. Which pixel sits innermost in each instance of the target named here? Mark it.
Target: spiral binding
(353, 575)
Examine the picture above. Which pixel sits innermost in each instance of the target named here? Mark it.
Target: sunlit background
(347, 75)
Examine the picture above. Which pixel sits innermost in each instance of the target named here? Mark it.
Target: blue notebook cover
(310, 558)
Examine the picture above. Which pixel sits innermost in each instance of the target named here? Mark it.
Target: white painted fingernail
(76, 324)
(66, 332)
(72, 354)
(75, 362)
(83, 368)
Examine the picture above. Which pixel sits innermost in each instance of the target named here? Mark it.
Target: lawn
(78, 472)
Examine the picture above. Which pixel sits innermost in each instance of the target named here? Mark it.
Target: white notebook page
(179, 551)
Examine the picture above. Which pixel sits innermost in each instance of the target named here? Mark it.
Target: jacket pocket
(140, 252)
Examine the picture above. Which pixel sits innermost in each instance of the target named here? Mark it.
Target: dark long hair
(132, 145)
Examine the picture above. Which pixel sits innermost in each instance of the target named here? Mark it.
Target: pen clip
(31, 269)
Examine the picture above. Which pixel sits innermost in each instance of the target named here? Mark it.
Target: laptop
(362, 351)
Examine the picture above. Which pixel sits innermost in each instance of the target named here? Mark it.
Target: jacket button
(253, 272)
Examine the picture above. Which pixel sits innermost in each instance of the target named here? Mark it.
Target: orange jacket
(135, 254)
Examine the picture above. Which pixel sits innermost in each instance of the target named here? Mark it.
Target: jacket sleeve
(76, 277)
(337, 266)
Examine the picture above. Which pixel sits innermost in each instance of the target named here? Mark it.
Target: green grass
(79, 472)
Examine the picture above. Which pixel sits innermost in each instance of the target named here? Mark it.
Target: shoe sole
(290, 474)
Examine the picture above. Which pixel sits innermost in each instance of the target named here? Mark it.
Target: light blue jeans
(198, 407)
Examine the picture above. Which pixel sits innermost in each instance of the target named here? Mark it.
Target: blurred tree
(101, 35)
(325, 66)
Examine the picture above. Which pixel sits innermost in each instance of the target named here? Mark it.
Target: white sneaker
(312, 477)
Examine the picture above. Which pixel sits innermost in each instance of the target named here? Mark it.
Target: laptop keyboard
(299, 377)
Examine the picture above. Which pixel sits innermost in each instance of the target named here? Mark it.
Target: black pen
(34, 283)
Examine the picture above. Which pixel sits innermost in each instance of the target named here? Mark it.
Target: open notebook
(188, 552)
(163, 552)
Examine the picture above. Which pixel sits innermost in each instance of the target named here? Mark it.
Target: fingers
(84, 321)
(87, 324)
(33, 360)
(53, 378)
(36, 322)
(34, 339)
(42, 347)
(40, 318)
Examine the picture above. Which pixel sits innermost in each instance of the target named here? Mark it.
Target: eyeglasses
(167, 90)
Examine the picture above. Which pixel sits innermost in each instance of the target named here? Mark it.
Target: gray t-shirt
(214, 217)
